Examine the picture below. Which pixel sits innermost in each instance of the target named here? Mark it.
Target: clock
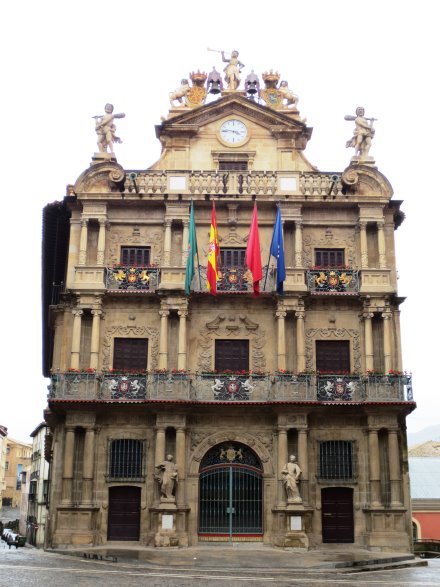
(233, 132)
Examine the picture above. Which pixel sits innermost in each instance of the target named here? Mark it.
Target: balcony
(230, 387)
(313, 185)
(234, 279)
(132, 279)
(333, 281)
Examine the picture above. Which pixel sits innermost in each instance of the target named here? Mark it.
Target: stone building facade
(229, 385)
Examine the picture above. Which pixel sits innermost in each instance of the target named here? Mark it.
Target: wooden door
(337, 515)
(124, 507)
(231, 355)
(333, 356)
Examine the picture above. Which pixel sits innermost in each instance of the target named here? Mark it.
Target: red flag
(213, 251)
(253, 253)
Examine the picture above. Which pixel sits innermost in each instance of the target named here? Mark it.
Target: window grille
(336, 460)
(126, 459)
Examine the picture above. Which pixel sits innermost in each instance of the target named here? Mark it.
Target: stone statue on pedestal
(290, 474)
(167, 477)
(106, 129)
(362, 135)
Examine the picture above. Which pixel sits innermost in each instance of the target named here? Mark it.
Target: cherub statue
(105, 129)
(363, 133)
(290, 98)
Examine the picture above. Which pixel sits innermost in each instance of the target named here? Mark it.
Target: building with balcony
(34, 519)
(173, 414)
(17, 461)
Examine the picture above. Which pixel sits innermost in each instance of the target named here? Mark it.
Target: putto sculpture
(232, 70)
(106, 130)
(362, 135)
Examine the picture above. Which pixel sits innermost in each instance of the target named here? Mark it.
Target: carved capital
(77, 312)
(300, 315)
(281, 314)
(164, 313)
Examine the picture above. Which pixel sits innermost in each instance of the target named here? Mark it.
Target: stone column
(395, 473)
(76, 339)
(82, 259)
(369, 352)
(167, 243)
(298, 244)
(94, 346)
(281, 315)
(282, 460)
(300, 342)
(303, 461)
(185, 242)
(181, 464)
(182, 354)
(88, 466)
(159, 454)
(381, 245)
(364, 245)
(387, 341)
(374, 465)
(163, 339)
(101, 242)
(69, 447)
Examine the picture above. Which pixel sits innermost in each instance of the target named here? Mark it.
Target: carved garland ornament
(231, 327)
(131, 332)
(313, 334)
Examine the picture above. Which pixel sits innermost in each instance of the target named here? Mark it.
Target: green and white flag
(192, 250)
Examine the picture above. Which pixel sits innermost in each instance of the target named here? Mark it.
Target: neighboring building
(3, 435)
(228, 385)
(37, 503)
(424, 469)
(17, 460)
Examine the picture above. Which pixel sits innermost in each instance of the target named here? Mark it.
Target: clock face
(233, 131)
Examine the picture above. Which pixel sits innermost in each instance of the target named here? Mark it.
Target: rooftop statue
(290, 98)
(190, 96)
(105, 129)
(232, 70)
(363, 133)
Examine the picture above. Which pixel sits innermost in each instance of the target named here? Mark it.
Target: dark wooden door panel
(232, 355)
(333, 356)
(124, 513)
(337, 515)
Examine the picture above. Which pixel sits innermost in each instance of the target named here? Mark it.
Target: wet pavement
(31, 567)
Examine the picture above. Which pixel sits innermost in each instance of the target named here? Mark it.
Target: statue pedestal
(290, 525)
(168, 524)
(103, 158)
(363, 161)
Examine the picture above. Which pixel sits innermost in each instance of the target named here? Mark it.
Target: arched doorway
(337, 515)
(124, 510)
(231, 494)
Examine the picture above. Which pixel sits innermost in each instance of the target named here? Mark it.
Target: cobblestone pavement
(35, 568)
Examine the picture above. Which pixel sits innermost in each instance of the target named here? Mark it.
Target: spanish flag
(213, 251)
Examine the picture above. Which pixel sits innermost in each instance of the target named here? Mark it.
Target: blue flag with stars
(277, 251)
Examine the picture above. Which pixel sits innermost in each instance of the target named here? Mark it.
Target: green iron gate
(231, 494)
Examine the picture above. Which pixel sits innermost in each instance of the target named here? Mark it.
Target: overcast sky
(63, 61)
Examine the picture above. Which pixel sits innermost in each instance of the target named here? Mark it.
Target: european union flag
(277, 251)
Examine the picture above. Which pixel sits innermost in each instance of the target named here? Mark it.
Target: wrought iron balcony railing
(333, 281)
(230, 387)
(122, 278)
(234, 280)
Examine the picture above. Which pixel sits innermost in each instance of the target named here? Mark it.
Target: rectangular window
(233, 165)
(130, 354)
(329, 258)
(232, 258)
(231, 355)
(336, 460)
(126, 459)
(135, 256)
(333, 356)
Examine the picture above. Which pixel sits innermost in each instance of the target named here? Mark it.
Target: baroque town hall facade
(174, 415)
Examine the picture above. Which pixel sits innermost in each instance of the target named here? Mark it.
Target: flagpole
(268, 261)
